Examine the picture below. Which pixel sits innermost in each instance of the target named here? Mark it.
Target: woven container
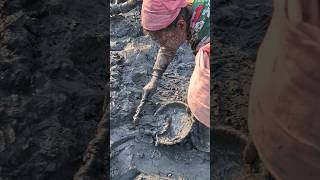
(179, 123)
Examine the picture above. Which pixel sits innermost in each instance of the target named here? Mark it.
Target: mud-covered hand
(150, 88)
(148, 91)
(164, 57)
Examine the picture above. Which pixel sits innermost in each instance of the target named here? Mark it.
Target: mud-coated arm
(164, 57)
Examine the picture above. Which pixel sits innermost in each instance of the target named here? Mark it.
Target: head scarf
(159, 14)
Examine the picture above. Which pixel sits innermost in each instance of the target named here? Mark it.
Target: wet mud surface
(52, 81)
(239, 28)
(228, 161)
(52, 86)
(133, 149)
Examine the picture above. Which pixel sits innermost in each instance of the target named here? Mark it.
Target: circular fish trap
(178, 123)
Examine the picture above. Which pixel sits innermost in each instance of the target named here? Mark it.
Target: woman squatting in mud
(171, 23)
(284, 108)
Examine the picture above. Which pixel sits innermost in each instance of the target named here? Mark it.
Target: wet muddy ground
(239, 27)
(52, 86)
(133, 150)
(52, 79)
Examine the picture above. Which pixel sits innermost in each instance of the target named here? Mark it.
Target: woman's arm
(164, 58)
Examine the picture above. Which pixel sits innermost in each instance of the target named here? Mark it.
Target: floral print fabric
(200, 24)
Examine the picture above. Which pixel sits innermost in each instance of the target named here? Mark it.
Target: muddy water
(175, 125)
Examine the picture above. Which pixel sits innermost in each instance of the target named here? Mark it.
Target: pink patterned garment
(199, 88)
